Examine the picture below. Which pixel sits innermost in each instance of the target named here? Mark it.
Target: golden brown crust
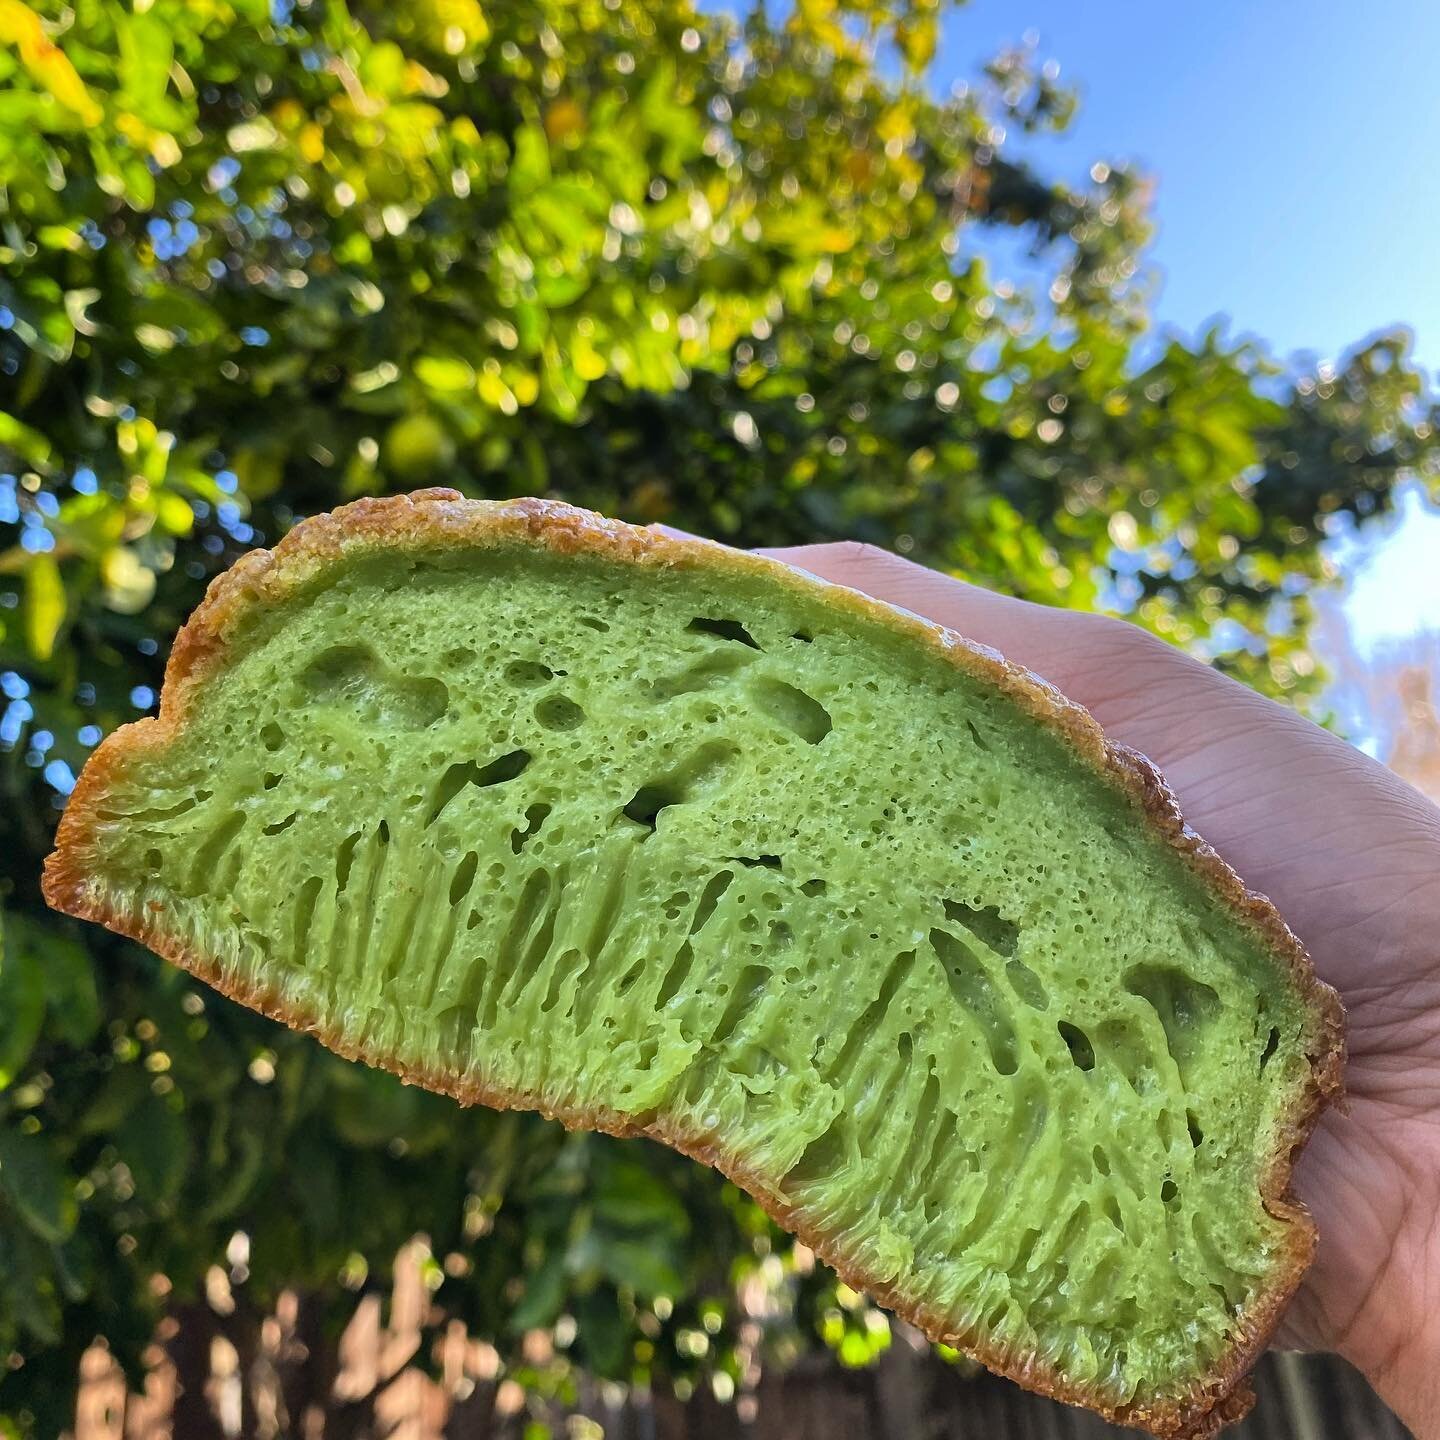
(439, 519)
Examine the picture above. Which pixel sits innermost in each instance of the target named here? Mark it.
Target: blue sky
(1296, 151)
(1392, 579)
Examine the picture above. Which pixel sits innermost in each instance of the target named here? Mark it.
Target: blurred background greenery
(259, 257)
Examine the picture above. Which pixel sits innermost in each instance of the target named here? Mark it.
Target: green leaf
(174, 513)
(242, 1168)
(153, 1143)
(22, 1005)
(25, 109)
(41, 321)
(558, 290)
(629, 1196)
(146, 54)
(36, 1185)
(544, 1296)
(139, 182)
(91, 524)
(530, 165)
(27, 1298)
(444, 372)
(638, 1265)
(603, 1332)
(29, 444)
(560, 208)
(123, 1088)
(69, 981)
(319, 1194)
(44, 604)
(260, 471)
(46, 61)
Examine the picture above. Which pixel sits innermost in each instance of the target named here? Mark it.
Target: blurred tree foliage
(260, 258)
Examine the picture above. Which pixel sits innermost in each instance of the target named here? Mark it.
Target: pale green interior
(699, 848)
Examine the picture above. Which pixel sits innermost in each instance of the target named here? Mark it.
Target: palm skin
(1350, 854)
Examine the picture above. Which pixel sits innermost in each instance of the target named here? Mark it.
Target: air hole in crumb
(498, 771)
(825, 1154)
(1197, 1135)
(1271, 1045)
(464, 878)
(272, 736)
(559, 712)
(813, 887)
(803, 636)
(344, 858)
(695, 773)
(460, 655)
(763, 862)
(280, 826)
(1027, 984)
(1082, 1052)
(974, 991)
(647, 803)
(1186, 1008)
(354, 677)
(528, 673)
(793, 709)
(713, 669)
(976, 736)
(723, 630)
(1101, 1159)
(535, 817)
(1169, 1191)
(457, 777)
(272, 780)
(988, 926)
(592, 622)
(1026, 1250)
(153, 860)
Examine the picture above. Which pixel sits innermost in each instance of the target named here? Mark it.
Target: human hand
(1350, 855)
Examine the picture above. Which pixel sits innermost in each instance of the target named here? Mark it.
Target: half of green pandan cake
(541, 810)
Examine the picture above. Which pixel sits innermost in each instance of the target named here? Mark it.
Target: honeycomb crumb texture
(703, 852)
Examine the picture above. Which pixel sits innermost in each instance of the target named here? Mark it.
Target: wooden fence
(370, 1388)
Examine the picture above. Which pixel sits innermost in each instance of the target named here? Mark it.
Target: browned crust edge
(441, 519)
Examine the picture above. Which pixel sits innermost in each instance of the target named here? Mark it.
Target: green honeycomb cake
(544, 811)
